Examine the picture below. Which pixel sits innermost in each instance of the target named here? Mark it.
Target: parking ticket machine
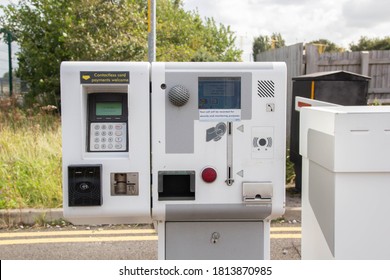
(217, 139)
(218, 161)
(106, 151)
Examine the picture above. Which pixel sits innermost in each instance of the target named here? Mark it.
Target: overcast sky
(340, 21)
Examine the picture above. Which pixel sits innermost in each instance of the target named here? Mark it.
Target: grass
(30, 157)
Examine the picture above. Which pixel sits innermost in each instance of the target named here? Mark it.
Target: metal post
(152, 30)
(9, 39)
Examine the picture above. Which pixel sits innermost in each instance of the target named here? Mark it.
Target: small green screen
(108, 109)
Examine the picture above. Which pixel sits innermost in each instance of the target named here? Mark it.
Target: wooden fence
(375, 64)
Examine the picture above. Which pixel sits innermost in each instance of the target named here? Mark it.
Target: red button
(209, 175)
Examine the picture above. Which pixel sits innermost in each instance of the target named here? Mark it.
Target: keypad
(108, 137)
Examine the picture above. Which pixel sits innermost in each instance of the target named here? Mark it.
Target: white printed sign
(227, 115)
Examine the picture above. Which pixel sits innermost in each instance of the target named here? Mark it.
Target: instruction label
(104, 77)
(223, 115)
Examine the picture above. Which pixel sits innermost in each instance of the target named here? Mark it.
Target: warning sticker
(104, 77)
(227, 115)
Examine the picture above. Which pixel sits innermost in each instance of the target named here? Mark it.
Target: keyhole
(215, 237)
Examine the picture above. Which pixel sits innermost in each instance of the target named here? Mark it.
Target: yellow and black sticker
(104, 77)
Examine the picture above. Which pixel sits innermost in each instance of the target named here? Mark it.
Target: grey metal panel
(195, 240)
(210, 212)
(179, 121)
(322, 201)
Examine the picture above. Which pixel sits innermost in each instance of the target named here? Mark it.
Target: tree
(327, 46)
(184, 36)
(373, 44)
(277, 41)
(265, 43)
(260, 44)
(51, 31)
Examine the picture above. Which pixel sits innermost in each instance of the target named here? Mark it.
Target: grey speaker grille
(178, 95)
(266, 88)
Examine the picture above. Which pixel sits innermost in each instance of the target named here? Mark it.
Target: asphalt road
(114, 243)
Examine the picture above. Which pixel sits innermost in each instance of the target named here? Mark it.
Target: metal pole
(152, 30)
(9, 39)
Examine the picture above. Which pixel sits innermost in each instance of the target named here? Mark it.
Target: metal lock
(215, 237)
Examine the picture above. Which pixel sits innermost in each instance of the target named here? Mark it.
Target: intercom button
(118, 133)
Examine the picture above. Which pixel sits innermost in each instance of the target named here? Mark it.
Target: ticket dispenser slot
(107, 122)
(258, 192)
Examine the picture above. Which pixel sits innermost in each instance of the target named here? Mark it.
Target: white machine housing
(105, 144)
(230, 120)
(345, 182)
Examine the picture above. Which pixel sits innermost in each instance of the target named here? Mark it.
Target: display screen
(108, 108)
(219, 92)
